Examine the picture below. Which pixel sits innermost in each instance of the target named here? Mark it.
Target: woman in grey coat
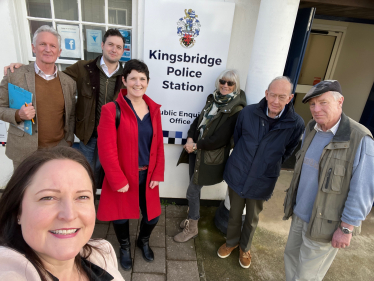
(209, 144)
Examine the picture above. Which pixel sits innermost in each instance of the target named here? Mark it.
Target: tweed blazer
(15, 267)
(20, 144)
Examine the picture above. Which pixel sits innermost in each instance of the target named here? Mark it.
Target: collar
(43, 75)
(94, 272)
(276, 117)
(105, 68)
(333, 130)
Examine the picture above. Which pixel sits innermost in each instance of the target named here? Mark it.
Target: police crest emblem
(188, 28)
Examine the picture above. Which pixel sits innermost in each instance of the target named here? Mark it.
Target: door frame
(333, 30)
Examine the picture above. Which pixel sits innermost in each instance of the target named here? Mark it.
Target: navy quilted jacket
(254, 165)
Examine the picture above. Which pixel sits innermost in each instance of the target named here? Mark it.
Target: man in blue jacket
(265, 136)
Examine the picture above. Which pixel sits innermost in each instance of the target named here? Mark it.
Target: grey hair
(46, 28)
(336, 95)
(230, 75)
(282, 78)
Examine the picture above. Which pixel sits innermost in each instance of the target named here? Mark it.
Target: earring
(18, 220)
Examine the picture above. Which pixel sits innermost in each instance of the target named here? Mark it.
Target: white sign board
(186, 44)
(3, 132)
(70, 42)
(94, 39)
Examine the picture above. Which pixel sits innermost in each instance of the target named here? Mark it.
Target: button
(36, 131)
(93, 88)
(90, 71)
(88, 83)
(88, 65)
(197, 159)
(320, 214)
(26, 128)
(196, 171)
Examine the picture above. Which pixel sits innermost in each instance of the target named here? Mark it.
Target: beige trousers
(304, 259)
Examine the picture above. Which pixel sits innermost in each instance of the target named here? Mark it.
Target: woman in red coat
(133, 160)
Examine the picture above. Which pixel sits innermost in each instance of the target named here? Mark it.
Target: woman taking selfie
(47, 217)
(131, 151)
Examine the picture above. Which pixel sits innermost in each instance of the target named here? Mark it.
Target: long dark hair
(10, 202)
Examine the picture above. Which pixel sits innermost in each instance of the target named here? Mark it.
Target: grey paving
(157, 266)
(148, 277)
(182, 271)
(180, 251)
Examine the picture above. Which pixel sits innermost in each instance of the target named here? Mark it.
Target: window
(81, 24)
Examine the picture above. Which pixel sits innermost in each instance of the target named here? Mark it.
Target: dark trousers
(142, 202)
(236, 235)
(193, 192)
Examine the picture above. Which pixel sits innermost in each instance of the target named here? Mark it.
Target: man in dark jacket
(265, 136)
(98, 82)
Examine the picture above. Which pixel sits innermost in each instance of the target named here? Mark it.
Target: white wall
(9, 53)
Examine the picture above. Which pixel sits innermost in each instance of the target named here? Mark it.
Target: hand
(27, 113)
(124, 189)
(189, 140)
(70, 143)
(153, 184)
(189, 147)
(12, 66)
(340, 239)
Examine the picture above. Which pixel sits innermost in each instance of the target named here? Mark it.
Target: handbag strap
(118, 114)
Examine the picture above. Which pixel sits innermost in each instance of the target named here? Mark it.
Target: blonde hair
(229, 75)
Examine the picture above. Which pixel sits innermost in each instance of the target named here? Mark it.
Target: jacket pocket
(15, 131)
(334, 179)
(325, 223)
(214, 157)
(337, 178)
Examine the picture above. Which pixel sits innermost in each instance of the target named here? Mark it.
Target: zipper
(106, 89)
(328, 178)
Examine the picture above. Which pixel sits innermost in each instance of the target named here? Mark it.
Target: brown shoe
(224, 251)
(244, 258)
(190, 231)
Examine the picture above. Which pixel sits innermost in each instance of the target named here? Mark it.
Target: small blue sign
(127, 52)
(69, 44)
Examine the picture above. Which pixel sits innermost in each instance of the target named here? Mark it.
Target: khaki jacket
(20, 144)
(334, 176)
(15, 267)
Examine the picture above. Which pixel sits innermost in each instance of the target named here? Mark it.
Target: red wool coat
(118, 153)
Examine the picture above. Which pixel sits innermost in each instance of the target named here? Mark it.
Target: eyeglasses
(229, 83)
(280, 97)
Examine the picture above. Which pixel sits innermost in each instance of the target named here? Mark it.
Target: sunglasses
(229, 83)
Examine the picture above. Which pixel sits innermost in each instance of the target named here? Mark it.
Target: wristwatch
(194, 147)
(345, 229)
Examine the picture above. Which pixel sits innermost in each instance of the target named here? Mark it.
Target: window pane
(70, 41)
(93, 11)
(66, 9)
(34, 25)
(39, 8)
(123, 13)
(92, 37)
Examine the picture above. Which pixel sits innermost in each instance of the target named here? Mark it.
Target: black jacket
(253, 167)
(214, 146)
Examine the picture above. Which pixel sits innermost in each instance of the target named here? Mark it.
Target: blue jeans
(88, 151)
(142, 201)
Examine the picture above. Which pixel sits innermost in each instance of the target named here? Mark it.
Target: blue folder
(17, 98)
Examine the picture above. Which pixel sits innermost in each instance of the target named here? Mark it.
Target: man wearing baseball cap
(332, 189)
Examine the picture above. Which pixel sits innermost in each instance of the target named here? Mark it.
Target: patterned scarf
(212, 110)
